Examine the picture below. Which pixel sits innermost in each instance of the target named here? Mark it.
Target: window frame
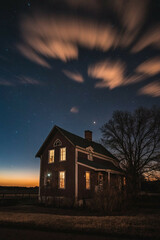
(49, 156)
(62, 160)
(64, 180)
(89, 180)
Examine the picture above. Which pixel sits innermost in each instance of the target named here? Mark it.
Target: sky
(71, 63)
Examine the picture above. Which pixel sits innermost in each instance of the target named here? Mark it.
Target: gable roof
(76, 141)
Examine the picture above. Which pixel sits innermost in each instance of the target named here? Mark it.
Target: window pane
(51, 156)
(63, 154)
(87, 180)
(62, 179)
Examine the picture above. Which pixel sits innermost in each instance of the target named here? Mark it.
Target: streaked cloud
(112, 74)
(74, 76)
(28, 80)
(150, 38)
(60, 36)
(150, 67)
(6, 83)
(132, 15)
(31, 55)
(47, 36)
(74, 110)
(152, 89)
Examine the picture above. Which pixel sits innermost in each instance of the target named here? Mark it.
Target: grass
(139, 226)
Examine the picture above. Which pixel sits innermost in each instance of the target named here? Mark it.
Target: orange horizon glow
(19, 178)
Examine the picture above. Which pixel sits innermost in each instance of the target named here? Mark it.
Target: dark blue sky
(71, 63)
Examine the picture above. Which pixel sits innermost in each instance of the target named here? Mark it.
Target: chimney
(88, 135)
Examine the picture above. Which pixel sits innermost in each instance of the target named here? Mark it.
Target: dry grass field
(139, 226)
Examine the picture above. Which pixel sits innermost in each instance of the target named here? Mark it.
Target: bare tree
(135, 140)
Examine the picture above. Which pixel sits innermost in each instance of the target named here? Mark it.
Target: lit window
(63, 154)
(88, 182)
(62, 179)
(51, 156)
(47, 180)
(90, 156)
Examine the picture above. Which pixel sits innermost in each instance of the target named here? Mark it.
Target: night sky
(71, 63)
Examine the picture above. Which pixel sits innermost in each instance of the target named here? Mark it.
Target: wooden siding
(68, 166)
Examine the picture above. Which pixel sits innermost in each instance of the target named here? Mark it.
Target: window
(47, 180)
(100, 181)
(88, 182)
(62, 179)
(51, 156)
(63, 154)
(57, 143)
(90, 157)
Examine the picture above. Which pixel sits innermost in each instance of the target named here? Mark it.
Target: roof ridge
(77, 135)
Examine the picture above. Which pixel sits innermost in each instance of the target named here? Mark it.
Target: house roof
(98, 166)
(76, 141)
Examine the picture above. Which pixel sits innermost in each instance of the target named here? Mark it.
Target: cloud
(150, 38)
(47, 36)
(152, 89)
(60, 36)
(150, 67)
(6, 83)
(31, 55)
(74, 110)
(28, 81)
(112, 74)
(132, 15)
(74, 76)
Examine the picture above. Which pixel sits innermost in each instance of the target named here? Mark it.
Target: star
(94, 122)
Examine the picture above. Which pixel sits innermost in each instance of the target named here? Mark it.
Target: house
(73, 168)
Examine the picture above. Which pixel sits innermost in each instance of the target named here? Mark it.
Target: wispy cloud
(112, 74)
(150, 67)
(152, 89)
(6, 83)
(28, 81)
(150, 38)
(74, 110)
(60, 36)
(74, 76)
(31, 55)
(132, 15)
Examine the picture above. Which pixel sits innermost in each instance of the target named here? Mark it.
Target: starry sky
(71, 63)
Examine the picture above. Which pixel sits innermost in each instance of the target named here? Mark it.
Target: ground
(26, 219)
(35, 220)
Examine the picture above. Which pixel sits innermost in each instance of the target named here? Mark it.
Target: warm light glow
(63, 154)
(88, 180)
(62, 177)
(20, 178)
(51, 156)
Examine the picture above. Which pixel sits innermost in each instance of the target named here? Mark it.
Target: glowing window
(51, 156)
(63, 154)
(88, 182)
(62, 179)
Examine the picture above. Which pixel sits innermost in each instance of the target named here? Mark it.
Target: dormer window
(90, 153)
(57, 143)
(90, 156)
